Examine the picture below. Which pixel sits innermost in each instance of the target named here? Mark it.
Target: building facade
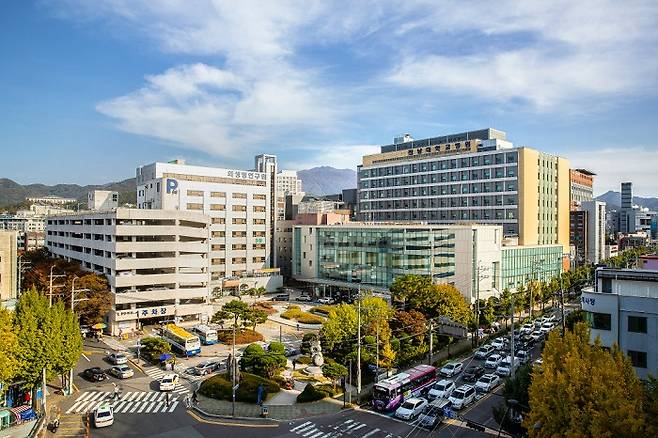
(596, 227)
(578, 229)
(476, 176)
(8, 266)
(238, 203)
(581, 186)
(157, 262)
(622, 309)
(102, 200)
(287, 183)
(51, 200)
(523, 264)
(370, 256)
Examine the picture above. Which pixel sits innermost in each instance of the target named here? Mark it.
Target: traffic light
(475, 426)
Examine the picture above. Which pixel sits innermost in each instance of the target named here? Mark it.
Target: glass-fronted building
(522, 264)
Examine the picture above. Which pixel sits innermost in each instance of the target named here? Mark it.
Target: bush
(219, 387)
(322, 309)
(276, 348)
(310, 394)
(294, 312)
(152, 348)
(265, 307)
(250, 355)
(304, 360)
(328, 389)
(242, 337)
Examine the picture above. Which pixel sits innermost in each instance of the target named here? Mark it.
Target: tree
(233, 310)
(153, 347)
(651, 405)
(584, 390)
(250, 354)
(334, 371)
(267, 366)
(276, 348)
(9, 346)
(410, 329)
(254, 316)
(305, 348)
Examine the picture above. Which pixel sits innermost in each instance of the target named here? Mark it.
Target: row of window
(222, 207)
(465, 175)
(238, 234)
(447, 189)
(403, 214)
(237, 260)
(236, 246)
(256, 196)
(603, 321)
(237, 221)
(452, 202)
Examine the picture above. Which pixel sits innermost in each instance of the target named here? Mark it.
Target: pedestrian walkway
(114, 344)
(137, 402)
(309, 429)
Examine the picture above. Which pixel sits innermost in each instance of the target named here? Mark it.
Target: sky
(91, 90)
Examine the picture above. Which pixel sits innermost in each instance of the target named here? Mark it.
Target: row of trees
(37, 336)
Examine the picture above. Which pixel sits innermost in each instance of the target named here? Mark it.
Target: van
(433, 413)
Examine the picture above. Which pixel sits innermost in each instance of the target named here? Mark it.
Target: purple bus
(390, 393)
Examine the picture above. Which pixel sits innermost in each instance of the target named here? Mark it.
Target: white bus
(208, 335)
(181, 340)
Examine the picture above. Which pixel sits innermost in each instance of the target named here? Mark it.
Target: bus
(388, 394)
(207, 335)
(181, 340)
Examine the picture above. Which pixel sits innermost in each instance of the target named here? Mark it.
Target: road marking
(317, 435)
(173, 406)
(312, 431)
(88, 360)
(124, 408)
(227, 423)
(357, 428)
(158, 406)
(300, 426)
(372, 432)
(137, 405)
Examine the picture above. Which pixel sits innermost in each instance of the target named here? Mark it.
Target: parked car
(433, 413)
(546, 327)
(462, 396)
(304, 297)
(505, 367)
(451, 369)
(206, 367)
(484, 352)
(168, 382)
(95, 374)
(549, 318)
(326, 300)
(281, 297)
(527, 341)
(122, 371)
(441, 389)
(103, 415)
(411, 408)
(493, 361)
(290, 351)
(118, 358)
(498, 343)
(487, 382)
(522, 356)
(527, 328)
(472, 373)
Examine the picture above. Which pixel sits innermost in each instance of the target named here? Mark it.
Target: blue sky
(90, 90)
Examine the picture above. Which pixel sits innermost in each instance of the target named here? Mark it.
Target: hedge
(310, 394)
(219, 387)
(242, 337)
(294, 312)
(322, 309)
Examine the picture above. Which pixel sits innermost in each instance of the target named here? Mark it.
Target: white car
(118, 358)
(451, 369)
(103, 416)
(411, 408)
(527, 328)
(546, 327)
(462, 396)
(326, 300)
(485, 351)
(487, 382)
(505, 367)
(498, 343)
(122, 371)
(537, 335)
(522, 356)
(168, 382)
(441, 389)
(493, 361)
(304, 297)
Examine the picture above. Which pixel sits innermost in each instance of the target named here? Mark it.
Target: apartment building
(581, 186)
(8, 266)
(622, 309)
(239, 207)
(287, 183)
(30, 223)
(477, 176)
(156, 261)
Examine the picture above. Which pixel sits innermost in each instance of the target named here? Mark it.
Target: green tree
(651, 405)
(30, 323)
(584, 390)
(234, 311)
(9, 347)
(306, 342)
(250, 355)
(254, 316)
(276, 348)
(64, 331)
(334, 371)
(153, 347)
(267, 366)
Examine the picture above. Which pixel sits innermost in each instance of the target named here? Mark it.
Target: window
(194, 193)
(599, 321)
(220, 247)
(217, 207)
(219, 261)
(194, 206)
(218, 220)
(260, 197)
(239, 234)
(258, 259)
(239, 195)
(239, 221)
(218, 233)
(218, 194)
(637, 324)
(239, 246)
(638, 358)
(259, 209)
(239, 208)
(259, 246)
(259, 221)
(239, 260)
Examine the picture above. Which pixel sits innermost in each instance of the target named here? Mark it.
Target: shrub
(294, 312)
(310, 394)
(242, 337)
(329, 389)
(265, 307)
(219, 387)
(322, 309)
(304, 360)
(276, 348)
(250, 355)
(152, 348)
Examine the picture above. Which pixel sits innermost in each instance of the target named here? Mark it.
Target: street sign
(235, 388)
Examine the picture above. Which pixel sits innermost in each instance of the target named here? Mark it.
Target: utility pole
(51, 286)
(431, 343)
(280, 333)
(377, 355)
(73, 301)
(234, 366)
(358, 350)
(21, 268)
(512, 341)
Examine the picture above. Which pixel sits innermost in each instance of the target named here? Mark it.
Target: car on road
(290, 351)
(118, 358)
(527, 328)
(122, 371)
(95, 374)
(103, 416)
(487, 382)
(451, 369)
(527, 341)
(206, 367)
(411, 408)
(462, 396)
(523, 356)
(505, 367)
(281, 297)
(484, 352)
(537, 335)
(168, 382)
(493, 361)
(472, 373)
(546, 327)
(326, 300)
(549, 318)
(433, 413)
(304, 297)
(441, 389)
(498, 343)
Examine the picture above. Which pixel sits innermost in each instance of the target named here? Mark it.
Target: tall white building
(595, 230)
(287, 183)
(102, 200)
(156, 261)
(238, 203)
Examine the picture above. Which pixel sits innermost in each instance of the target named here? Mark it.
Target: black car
(527, 341)
(473, 373)
(95, 374)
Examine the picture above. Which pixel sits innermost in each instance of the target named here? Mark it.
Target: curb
(229, 417)
(136, 365)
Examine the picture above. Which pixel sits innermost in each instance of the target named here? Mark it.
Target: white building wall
(596, 230)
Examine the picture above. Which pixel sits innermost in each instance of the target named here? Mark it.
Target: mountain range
(323, 180)
(613, 200)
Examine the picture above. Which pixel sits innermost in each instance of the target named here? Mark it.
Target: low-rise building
(156, 261)
(622, 308)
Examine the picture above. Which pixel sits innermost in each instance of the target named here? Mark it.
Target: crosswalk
(348, 427)
(157, 374)
(137, 402)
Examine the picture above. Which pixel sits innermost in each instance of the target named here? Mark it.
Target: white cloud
(613, 165)
(338, 156)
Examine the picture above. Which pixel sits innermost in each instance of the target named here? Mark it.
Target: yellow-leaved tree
(584, 390)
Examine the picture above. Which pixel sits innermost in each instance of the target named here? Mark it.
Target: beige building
(8, 265)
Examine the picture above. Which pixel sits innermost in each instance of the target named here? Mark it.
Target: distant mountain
(13, 193)
(613, 199)
(327, 180)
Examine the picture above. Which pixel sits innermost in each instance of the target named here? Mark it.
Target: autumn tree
(410, 331)
(9, 347)
(584, 390)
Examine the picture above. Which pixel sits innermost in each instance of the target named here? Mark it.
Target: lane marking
(372, 432)
(300, 426)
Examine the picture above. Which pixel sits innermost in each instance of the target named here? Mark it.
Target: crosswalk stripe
(142, 406)
(85, 396)
(158, 406)
(312, 431)
(133, 396)
(126, 396)
(173, 406)
(118, 405)
(137, 405)
(148, 408)
(154, 396)
(357, 428)
(372, 432)
(74, 407)
(317, 435)
(125, 407)
(294, 429)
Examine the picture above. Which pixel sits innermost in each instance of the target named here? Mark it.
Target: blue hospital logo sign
(172, 185)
